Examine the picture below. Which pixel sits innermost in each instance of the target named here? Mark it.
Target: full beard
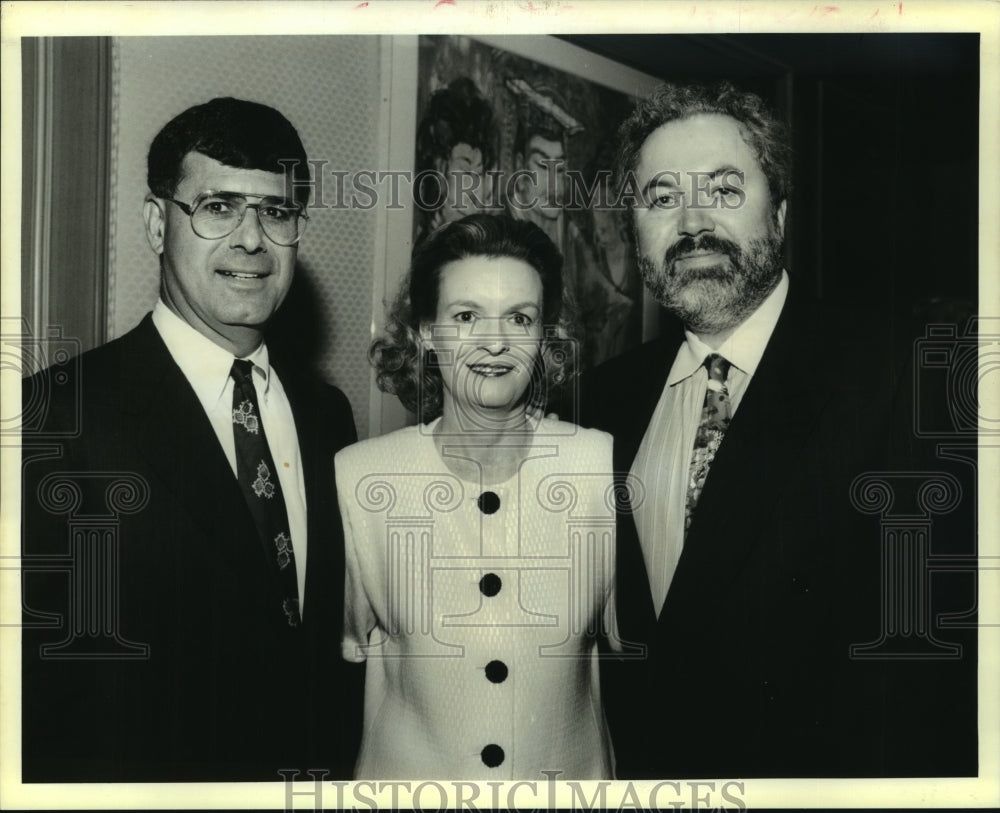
(714, 298)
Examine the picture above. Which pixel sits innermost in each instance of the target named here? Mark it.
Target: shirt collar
(744, 348)
(205, 365)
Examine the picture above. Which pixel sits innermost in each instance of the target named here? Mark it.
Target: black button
(489, 585)
(488, 502)
(496, 671)
(492, 755)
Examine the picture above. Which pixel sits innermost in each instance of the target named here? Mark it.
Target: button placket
(493, 507)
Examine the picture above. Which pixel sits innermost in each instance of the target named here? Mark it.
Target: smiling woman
(487, 337)
(476, 602)
(406, 362)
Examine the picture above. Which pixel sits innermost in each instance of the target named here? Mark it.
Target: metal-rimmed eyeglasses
(218, 214)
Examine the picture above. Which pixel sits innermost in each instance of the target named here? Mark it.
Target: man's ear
(779, 218)
(155, 220)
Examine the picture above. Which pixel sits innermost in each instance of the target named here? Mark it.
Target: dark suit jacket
(748, 670)
(191, 674)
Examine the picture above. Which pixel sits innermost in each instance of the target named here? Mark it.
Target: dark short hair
(237, 133)
(401, 363)
(763, 132)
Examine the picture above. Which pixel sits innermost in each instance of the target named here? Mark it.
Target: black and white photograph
(541, 120)
(466, 405)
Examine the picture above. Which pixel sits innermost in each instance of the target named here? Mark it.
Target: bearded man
(749, 577)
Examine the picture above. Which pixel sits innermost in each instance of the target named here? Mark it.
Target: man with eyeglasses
(211, 654)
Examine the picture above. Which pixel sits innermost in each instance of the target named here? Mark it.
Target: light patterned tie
(715, 416)
(258, 478)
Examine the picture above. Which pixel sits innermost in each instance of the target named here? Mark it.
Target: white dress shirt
(206, 366)
(664, 458)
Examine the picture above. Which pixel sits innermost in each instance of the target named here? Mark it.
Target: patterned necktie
(715, 416)
(258, 478)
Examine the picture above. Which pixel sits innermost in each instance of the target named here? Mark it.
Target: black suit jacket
(749, 669)
(178, 668)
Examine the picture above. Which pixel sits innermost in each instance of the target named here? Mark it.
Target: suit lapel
(175, 437)
(324, 424)
(311, 450)
(632, 395)
(778, 413)
(636, 395)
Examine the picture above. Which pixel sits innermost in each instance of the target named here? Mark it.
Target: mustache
(706, 242)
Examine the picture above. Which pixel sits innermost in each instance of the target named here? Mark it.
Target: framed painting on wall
(524, 125)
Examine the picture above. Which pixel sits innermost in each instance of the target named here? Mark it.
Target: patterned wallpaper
(328, 87)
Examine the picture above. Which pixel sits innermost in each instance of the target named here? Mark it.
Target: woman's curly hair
(405, 366)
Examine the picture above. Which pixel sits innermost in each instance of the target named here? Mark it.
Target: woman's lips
(491, 370)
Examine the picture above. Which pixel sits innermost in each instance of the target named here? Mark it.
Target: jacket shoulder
(625, 385)
(400, 448)
(330, 399)
(104, 359)
(98, 381)
(591, 445)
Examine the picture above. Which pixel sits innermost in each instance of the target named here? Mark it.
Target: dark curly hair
(406, 368)
(235, 132)
(763, 132)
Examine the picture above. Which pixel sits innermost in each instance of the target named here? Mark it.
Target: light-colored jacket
(479, 628)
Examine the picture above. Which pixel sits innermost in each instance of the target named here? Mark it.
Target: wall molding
(66, 183)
